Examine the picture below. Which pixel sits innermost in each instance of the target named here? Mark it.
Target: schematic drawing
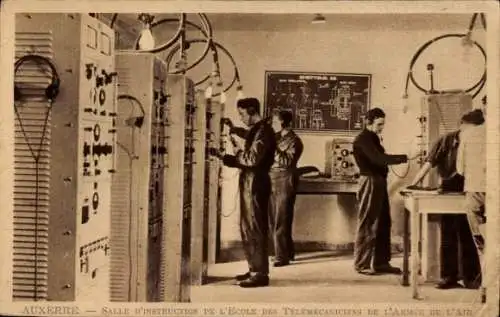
(319, 101)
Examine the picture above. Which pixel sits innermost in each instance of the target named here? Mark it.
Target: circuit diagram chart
(320, 102)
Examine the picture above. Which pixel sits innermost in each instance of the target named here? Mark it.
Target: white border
(10, 7)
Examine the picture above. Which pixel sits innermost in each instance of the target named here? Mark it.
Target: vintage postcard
(249, 158)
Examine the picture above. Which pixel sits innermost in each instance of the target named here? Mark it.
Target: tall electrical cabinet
(179, 161)
(440, 114)
(213, 189)
(199, 229)
(62, 206)
(138, 184)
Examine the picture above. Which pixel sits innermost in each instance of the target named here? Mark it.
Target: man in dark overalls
(372, 247)
(454, 228)
(284, 179)
(254, 158)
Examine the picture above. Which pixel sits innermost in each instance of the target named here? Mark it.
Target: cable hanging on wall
(467, 42)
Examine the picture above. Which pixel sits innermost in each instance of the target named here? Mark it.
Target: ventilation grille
(120, 248)
(449, 110)
(31, 182)
(157, 205)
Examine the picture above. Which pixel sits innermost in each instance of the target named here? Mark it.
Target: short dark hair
(286, 118)
(475, 117)
(373, 114)
(251, 105)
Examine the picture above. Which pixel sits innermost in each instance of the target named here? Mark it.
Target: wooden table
(326, 186)
(418, 205)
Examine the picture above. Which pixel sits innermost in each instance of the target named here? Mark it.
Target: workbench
(326, 186)
(419, 205)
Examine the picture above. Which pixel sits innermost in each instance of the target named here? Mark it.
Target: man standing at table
(471, 163)
(372, 247)
(454, 228)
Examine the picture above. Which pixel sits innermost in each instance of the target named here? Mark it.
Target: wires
(51, 93)
(184, 44)
(404, 174)
(479, 85)
(236, 198)
(138, 121)
(131, 153)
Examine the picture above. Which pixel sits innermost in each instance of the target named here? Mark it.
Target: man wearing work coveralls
(254, 158)
(372, 247)
(284, 179)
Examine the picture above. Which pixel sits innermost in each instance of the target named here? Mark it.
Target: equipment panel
(440, 114)
(81, 155)
(340, 163)
(97, 138)
(137, 189)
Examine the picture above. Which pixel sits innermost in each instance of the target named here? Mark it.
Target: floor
(320, 278)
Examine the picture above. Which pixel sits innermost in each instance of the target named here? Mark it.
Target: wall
(379, 45)
(385, 54)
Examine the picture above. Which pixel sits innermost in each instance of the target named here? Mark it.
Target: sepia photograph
(206, 156)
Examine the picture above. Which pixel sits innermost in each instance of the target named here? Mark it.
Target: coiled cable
(479, 85)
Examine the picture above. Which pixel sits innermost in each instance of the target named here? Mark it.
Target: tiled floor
(320, 278)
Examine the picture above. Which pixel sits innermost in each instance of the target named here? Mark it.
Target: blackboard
(319, 102)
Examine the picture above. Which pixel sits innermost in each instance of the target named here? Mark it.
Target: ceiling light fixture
(146, 39)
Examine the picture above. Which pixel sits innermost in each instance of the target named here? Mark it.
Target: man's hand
(227, 122)
(238, 143)
(419, 153)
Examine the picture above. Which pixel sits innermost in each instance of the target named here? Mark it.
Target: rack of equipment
(440, 114)
(62, 195)
(199, 224)
(176, 229)
(138, 184)
(213, 177)
(340, 163)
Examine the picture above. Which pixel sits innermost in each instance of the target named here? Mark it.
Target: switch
(88, 70)
(106, 248)
(86, 150)
(99, 81)
(102, 97)
(95, 201)
(85, 214)
(84, 265)
(97, 132)
(108, 78)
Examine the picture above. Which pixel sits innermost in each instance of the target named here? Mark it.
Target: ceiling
(283, 22)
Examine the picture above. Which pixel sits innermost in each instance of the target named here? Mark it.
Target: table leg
(406, 247)
(415, 239)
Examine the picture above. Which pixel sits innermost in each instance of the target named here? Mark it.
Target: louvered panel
(120, 243)
(31, 180)
(34, 78)
(443, 113)
(120, 228)
(129, 260)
